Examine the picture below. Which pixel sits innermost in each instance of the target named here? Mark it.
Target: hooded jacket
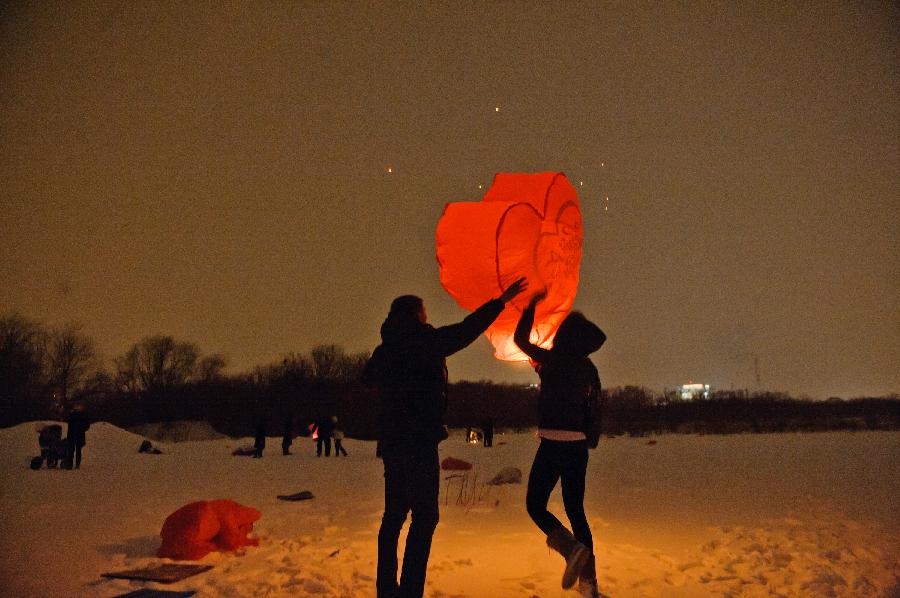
(410, 370)
(570, 384)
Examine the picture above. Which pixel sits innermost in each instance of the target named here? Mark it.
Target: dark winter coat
(78, 425)
(570, 384)
(49, 434)
(410, 370)
(325, 427)
(260, 439)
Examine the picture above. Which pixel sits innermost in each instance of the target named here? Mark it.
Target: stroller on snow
(54, 449)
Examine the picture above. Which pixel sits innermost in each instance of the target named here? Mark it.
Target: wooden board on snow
(161, 573)
(148, 593)
(302, 495)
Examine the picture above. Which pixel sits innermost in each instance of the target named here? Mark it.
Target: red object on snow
(454, 464)
(527, 224)
(198, 528)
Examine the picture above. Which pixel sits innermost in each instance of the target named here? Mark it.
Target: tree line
(44, 371)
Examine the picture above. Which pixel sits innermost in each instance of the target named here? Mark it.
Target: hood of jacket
(403, 331)
(578, 336)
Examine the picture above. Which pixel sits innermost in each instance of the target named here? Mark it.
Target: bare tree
(156, 362)
(22, 356)
(127, 376)
(331, 362)
(71, 357)
(326, 361)
(210, 367)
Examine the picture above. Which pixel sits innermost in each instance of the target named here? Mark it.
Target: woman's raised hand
(537, 297)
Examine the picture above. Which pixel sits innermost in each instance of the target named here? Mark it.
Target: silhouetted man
(409, 367)
(75, 435)
(488, 431)
(259, 443)
(323, 436)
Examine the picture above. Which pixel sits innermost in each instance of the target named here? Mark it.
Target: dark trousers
(327, 442)
(77, 454)
(338, 448)
(259, 446)
(411, 484)
(555, 461)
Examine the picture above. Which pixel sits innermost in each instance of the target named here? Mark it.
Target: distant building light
(691, 391)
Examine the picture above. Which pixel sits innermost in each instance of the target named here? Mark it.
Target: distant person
(76, 434)
(51, 443)
(259, 444)
(147, 448)
(323, 437)
(338, 434)
(409, 368)
(570, 386)
(488, 432)
(287, 437)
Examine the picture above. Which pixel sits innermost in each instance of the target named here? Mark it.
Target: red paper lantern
(201, 527)
(526, 225)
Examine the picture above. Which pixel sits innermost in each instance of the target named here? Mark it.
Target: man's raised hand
(514, 289)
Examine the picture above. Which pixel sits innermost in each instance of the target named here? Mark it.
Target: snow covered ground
(745, 515)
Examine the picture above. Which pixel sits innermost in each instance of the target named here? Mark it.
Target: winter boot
(587, 580)
(576, 554)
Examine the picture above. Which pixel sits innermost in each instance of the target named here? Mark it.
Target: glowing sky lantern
(526, 225)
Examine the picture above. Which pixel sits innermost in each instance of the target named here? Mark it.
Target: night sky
(220, 174)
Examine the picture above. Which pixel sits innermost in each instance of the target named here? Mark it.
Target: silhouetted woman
(338, 434)
(409, 367)
(570, 386)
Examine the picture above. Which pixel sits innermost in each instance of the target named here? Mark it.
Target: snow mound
(177, 431)
(26, 435)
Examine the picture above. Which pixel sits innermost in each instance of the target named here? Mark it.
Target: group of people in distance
(56, 449)
(324, 430)
(409, 368)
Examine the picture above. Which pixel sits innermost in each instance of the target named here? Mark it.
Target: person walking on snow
(409, 368)
(338, 435)
(570, 388)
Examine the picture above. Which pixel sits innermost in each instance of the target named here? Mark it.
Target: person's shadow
(133, 548)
